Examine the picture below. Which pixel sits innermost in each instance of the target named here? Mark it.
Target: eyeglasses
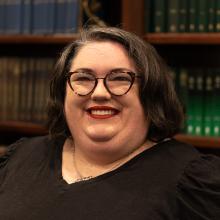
(117, 82)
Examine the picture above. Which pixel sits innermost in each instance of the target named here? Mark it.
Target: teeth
(102, 112)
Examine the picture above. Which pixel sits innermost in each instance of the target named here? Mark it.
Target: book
(60, 16)
(13, 16)
(148, 16)
(193, 17)
(39, 16)
(50, 17)
(208, 103)
(216, 104)
(202, 16)
(2, 17)
(217, 16)
(27, 17)
(172, 15)
(183, 16)
(211, 15)
(159, 16)
(72, 16)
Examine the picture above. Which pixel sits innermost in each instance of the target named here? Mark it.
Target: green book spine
(202, 16)
(211, 15)
(199, 102)
(216, 106)
(182, 91)
(183, 15)
(190, 108)
(159, 16)
(172, 16)
(217, 16)
(192, 10)
(148, 13)
(208, 103)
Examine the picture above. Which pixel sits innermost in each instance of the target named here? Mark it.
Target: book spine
(211, 15)
(202, 16)
(199, 102)
(208, 103)
(190, 108)
(182, 91)
(26, 18)
(217, 16)
(39, 25)
(148, 12)
(159, 21)
(172, 17)
(216, 107)
(72, 16)
(50, 16)
(13, 9)
(2, 17)
(192, 16)
(183, 16)
(60, 16)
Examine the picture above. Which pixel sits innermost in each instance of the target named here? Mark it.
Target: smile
(102, 112)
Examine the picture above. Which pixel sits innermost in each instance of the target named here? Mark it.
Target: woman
(110, 154)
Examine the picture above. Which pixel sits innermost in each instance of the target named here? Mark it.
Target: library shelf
(24, 128)
(200, 141)
(183, 38)
(37, 39)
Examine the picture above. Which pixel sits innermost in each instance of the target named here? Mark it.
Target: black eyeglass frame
(132, 75)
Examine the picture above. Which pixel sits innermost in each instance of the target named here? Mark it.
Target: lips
(102, 112)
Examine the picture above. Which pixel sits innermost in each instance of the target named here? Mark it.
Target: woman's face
(103, 125)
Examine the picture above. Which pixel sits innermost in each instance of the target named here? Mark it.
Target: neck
(83, 167)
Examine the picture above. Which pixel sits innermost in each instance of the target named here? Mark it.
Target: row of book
(199, 91)
(24, 88)
(182, 16)
(39, 16)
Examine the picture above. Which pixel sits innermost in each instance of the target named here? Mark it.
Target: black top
(169, 181)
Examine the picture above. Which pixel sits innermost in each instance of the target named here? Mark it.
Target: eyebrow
(92, 71)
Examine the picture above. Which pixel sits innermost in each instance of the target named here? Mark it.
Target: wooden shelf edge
(25, 128)
(38, 39)
(183, 38)
(199, 141)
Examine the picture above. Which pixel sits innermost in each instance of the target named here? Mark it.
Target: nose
(100, 92)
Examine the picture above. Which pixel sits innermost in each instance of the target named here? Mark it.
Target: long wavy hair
(157, 93)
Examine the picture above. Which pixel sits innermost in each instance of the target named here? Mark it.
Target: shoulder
(198, 188)
(24, 149)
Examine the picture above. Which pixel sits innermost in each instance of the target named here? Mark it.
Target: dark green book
(217, 16)
(148, 16)
(192, 13)
(216, 105)
(208, 103)
(159, 16)
(182, 91)
(202, 16)
(190, 108)
(198, 99)
(172, 16)
(211, 15)
(183, 16)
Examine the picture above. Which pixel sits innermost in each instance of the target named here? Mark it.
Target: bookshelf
(130, 15)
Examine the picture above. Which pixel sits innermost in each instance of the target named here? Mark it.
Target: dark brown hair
(157, 93)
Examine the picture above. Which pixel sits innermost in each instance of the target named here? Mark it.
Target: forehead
(102, 55)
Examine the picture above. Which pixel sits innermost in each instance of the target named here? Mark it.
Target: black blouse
(170, 181)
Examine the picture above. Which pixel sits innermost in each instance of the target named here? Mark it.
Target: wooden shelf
(37, 39)
(183, 38)
(25, 128)
(200, 142)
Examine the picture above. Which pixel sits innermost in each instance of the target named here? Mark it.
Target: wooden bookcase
(173, 48)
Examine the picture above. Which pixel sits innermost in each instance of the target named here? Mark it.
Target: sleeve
(9, 152)
(198, 190)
